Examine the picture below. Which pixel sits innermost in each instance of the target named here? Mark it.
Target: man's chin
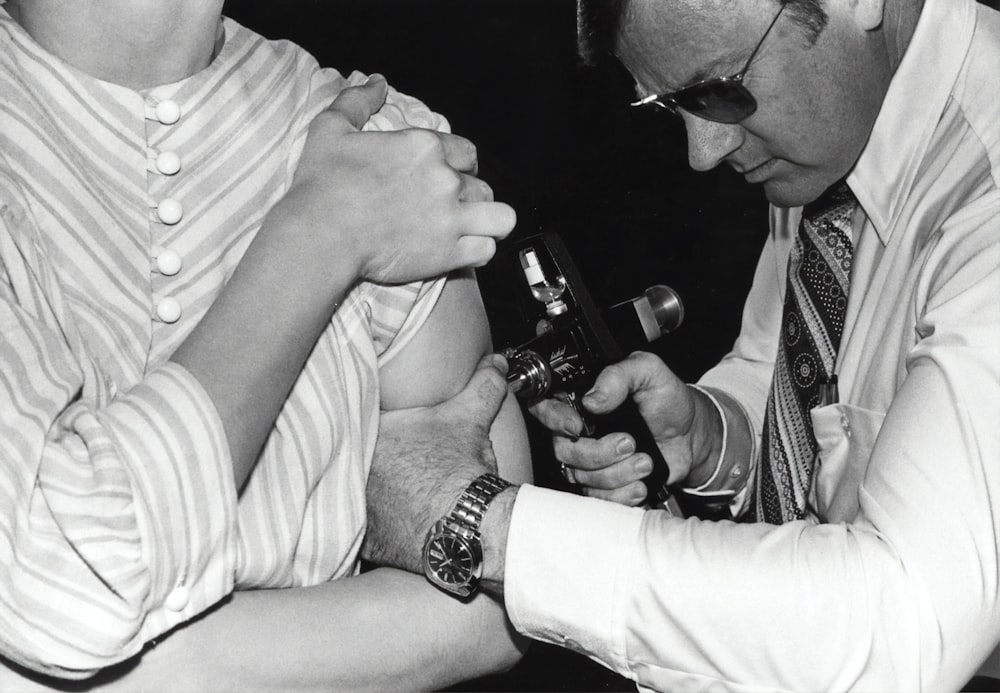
(783, 192)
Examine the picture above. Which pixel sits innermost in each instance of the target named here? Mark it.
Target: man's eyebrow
(721, 66)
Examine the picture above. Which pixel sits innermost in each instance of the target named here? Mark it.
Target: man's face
(816, 102)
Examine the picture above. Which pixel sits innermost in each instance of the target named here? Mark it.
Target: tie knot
(836, 199)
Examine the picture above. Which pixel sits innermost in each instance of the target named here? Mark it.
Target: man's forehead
(672, 43)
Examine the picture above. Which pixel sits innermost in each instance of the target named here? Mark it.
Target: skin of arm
(336, 635)
(382, 630)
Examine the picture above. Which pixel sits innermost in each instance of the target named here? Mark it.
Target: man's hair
(598, 23)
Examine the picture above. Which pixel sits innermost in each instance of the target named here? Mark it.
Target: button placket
(165, 209)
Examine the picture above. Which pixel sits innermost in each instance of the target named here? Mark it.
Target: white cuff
(700, 489)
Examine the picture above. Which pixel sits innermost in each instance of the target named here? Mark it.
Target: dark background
(559, 143)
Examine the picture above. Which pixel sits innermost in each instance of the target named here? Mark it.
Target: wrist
(728, 468)
(708, 441)
(495, 527)
(327, 248)
(454, 551)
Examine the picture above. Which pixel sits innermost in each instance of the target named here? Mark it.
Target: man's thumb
(483, 395)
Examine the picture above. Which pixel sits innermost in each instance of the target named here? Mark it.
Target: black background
(559, 143)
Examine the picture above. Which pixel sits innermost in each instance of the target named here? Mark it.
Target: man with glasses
(853, 429)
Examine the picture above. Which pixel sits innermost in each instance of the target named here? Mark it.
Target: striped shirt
(122, 214)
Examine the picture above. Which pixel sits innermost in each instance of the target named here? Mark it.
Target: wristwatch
(453, 551)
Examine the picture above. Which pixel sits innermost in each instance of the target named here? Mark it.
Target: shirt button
(845, 424)
(168, 310)
(169, 262)
(168, 112)
(168, 163)
(169, 211)
(177, 599)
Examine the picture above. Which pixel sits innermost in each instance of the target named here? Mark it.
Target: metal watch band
(472, 504)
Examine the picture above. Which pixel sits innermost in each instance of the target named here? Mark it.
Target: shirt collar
(918, 93)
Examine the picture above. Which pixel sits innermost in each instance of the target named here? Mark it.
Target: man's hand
(683, 426)
(424, 459)
(394, 206)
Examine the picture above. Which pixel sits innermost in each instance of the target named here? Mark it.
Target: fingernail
(625, 446)
(644, 466)
(572, 432)
(594, 397)
(376, 77)
(500, 363)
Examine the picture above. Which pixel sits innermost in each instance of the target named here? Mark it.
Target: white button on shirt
(168, 310)
(169, 262)
(168, 163)
(167, 112)
(177, 599)
(169, 211)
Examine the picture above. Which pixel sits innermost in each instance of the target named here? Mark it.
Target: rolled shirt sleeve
(121, 522)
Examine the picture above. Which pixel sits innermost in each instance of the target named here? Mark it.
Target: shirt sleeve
(119, 514)
(902, 597)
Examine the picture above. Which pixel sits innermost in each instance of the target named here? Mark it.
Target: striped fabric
(120, 518)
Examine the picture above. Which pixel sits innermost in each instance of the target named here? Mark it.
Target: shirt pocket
(846, 435)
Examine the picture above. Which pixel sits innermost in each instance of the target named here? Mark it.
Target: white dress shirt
(893, 581)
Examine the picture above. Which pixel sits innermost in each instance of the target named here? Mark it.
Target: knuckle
(562, 448)
(471, 151)
(643, 358)
(486, 192)
(424, 142)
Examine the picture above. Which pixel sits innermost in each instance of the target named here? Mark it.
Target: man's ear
(868, 13)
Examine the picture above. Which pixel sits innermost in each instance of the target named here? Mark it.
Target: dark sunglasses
(721, 99)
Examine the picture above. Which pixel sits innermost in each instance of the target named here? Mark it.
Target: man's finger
(617, 475)
(558, 417)
(633, 495)
(638, 372)
(593, 453)
(357, 104)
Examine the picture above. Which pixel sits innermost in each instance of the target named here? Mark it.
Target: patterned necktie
(819, 270)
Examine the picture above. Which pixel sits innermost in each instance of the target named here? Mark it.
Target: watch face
(450, 560)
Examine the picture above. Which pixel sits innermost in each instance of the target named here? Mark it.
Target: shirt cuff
(562, 550)
(702, 490)
(732, 491)
(184, 491)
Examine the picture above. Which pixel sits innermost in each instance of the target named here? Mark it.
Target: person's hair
(598, 23)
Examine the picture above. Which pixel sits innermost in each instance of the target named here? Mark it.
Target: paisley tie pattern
(819, 270)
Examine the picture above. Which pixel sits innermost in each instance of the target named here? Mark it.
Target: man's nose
(709, 143)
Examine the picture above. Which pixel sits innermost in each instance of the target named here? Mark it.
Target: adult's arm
(383, 630)
(116, 502)
(903, 597)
